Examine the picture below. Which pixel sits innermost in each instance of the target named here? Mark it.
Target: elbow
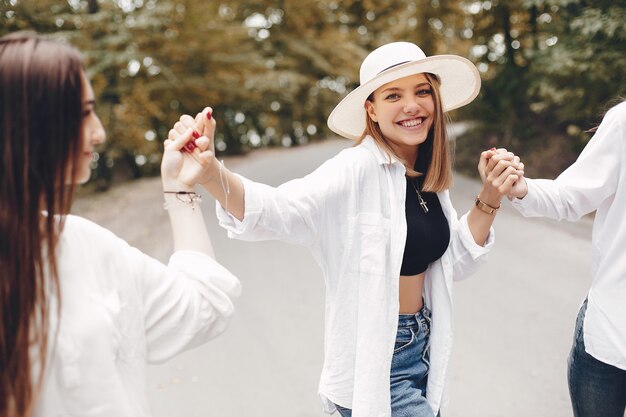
(217, 309)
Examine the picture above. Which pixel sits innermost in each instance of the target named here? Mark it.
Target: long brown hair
(40, 126)
(439, 172)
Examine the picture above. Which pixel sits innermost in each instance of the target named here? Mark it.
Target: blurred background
(273, 70)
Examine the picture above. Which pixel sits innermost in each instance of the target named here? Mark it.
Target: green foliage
(553, 68)
(273, 70)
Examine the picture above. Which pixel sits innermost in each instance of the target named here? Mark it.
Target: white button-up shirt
(350, 213)
(596, 181)
(121, 309)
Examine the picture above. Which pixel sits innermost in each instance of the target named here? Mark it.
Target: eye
(423, 92)
(392, 96)
(87, 111)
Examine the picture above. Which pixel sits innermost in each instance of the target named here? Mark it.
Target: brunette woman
(82, 312)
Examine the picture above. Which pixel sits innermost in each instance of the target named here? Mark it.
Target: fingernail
(208, 115)
(195, 134)
(190, 146)
(492, 149)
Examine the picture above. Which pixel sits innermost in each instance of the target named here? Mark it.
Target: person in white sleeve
(378, 219)
(81, 311)
(595, 182)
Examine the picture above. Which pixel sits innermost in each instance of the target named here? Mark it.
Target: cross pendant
(423, 204)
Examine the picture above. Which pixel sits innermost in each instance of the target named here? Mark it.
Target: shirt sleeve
(185, 303)
(465, 254)
(293, 212)
(588, 182)
(468, 255)
(170, 307)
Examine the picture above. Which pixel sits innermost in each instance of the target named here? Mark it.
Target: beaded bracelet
(187, 197)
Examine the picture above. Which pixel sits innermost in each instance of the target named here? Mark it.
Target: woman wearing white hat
(379, 221)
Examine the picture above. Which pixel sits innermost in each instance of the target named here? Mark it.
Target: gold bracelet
(486, 208)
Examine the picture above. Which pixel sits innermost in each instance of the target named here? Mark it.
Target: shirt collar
(381, 156)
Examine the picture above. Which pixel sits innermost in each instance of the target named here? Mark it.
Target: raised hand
(503, 171)
(188, 157)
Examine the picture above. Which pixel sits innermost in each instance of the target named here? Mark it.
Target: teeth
(412, 123)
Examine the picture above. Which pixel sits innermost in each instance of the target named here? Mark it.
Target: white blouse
(350, 214)
(121, 309)
(596, 181)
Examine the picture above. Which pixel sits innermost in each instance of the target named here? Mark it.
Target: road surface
(513, 320)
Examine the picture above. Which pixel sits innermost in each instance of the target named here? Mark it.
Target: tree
(550, 68)
(273, 70)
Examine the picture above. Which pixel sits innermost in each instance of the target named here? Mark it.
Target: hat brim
(460, 84)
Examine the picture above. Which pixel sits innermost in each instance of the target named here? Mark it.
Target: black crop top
(428, 234)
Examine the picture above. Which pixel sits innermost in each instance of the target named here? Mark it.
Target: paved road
(513, 320)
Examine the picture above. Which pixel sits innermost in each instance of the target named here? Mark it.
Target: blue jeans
(409, 368)
(596, 389)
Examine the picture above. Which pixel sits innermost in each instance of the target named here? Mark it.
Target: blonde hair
(439, 171)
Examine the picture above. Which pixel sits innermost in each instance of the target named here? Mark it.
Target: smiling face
(92, 134)
(404, 110)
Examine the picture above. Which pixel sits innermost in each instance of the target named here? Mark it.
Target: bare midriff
(411, 287)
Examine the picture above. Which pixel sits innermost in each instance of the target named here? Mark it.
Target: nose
(411, 104)
(97, 134)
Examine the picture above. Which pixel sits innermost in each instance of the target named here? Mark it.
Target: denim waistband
(407, 320)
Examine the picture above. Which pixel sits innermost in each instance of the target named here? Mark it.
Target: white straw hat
(460, 82)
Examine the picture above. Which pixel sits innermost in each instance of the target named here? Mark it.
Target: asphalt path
(513, 319)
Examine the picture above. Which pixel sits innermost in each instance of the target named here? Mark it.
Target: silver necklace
(419, 198)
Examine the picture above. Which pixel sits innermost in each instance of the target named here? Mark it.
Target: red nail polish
(492, 149)
(208, 115)
(195, 134)
(189, 146)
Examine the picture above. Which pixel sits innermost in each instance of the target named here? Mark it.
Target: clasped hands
(503, 171)
(189, 155)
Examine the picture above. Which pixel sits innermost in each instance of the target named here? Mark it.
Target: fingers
(202, 134)
(501, 168)
(485, 156)
(503, 171)
(502, 160)
(184, 123)
(189, 146)
(178, 141)
(208, 122)
(496, 166)
(203, 143)
(205, 158)
(482, 164)
(508, 183)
